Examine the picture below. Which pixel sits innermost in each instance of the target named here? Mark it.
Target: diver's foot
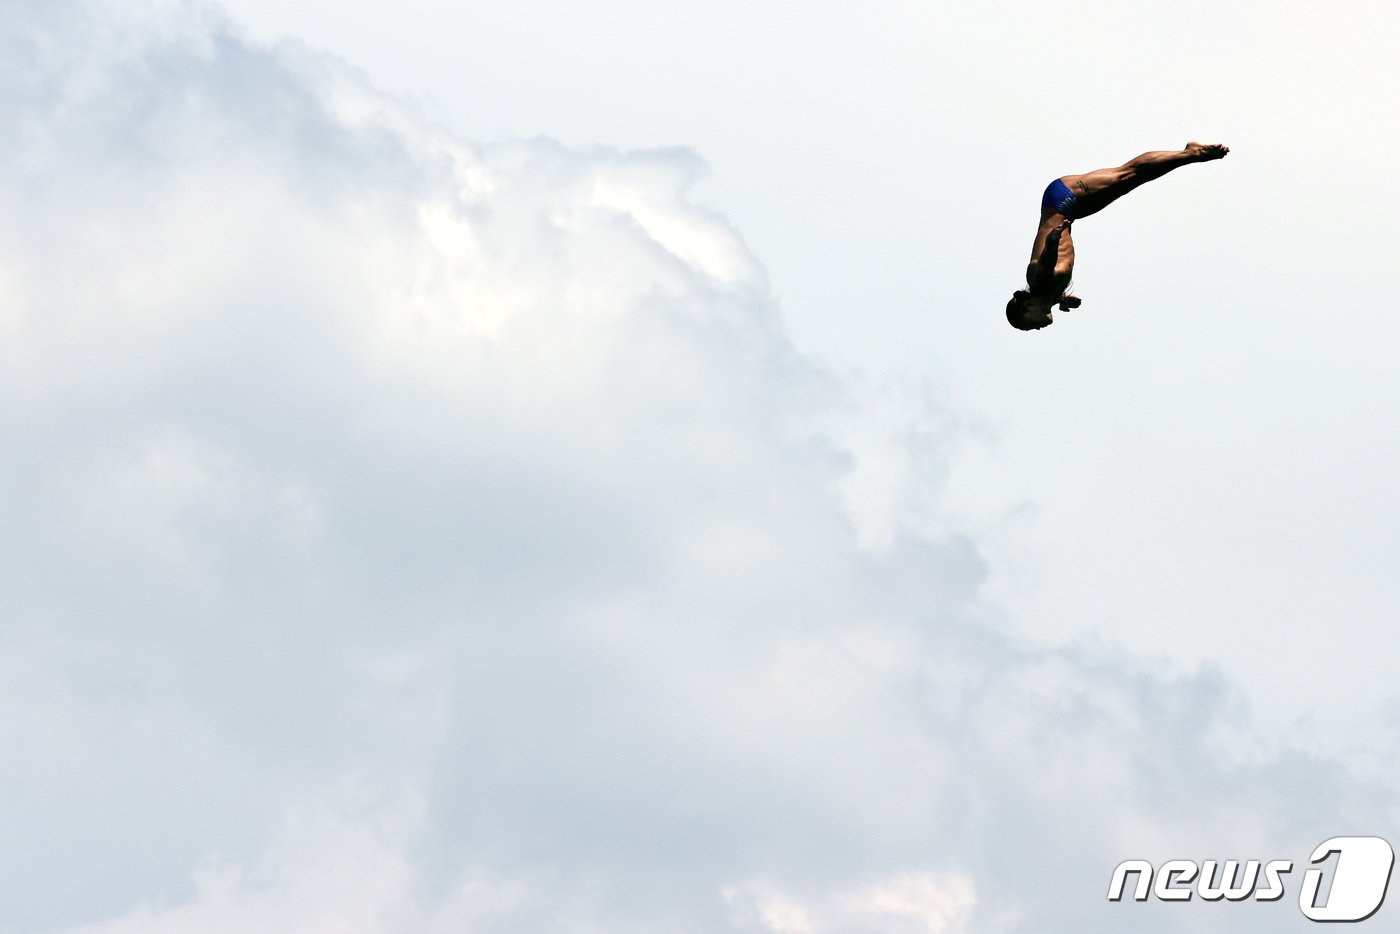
(1205, 152)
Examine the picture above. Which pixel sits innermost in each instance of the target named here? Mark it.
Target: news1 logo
(1358, 880)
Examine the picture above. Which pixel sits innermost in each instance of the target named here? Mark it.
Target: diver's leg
(1098, 189)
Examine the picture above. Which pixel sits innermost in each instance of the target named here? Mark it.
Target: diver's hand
(1070, 301)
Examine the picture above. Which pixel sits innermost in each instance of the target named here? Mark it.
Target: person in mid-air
(1066, 200)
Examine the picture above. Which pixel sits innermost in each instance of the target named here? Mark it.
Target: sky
(512, 468)
(879, 164)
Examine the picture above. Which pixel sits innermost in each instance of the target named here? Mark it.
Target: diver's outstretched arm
(1044, 269)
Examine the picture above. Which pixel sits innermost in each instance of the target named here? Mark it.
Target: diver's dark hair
(1016, 308)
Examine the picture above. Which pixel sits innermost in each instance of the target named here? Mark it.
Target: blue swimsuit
(1058, 197)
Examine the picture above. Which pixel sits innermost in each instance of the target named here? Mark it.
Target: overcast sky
(1196, 462)
(518, 468)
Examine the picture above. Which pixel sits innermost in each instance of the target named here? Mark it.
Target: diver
(1069, 198)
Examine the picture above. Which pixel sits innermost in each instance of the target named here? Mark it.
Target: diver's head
(1026, 312)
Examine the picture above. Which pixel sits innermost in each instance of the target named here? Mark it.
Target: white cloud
(403, 533)
(926, 903)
